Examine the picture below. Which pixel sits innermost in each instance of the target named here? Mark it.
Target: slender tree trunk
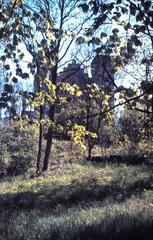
(89, 151)
(40, 141)
(38, 88)
(147, 132)
(88, 128)
(23, 106)
(47, 160)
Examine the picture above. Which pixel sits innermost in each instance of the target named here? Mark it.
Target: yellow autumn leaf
(50, 36)
(114, 22)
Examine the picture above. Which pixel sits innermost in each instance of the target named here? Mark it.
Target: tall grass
(84, 202)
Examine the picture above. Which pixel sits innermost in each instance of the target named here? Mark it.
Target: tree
(130, 35)
(131, 124)
(48, 39)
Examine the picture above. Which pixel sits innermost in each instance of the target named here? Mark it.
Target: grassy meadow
(86, 201)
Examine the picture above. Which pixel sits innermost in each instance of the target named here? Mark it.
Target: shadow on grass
(118, 228)
(134, 160)
(73, 194)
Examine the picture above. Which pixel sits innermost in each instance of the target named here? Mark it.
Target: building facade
(101, 73)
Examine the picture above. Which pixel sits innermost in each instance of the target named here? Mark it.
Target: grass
(86, 201)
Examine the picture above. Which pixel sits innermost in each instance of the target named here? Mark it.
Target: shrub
(4, 159)
(18, 149)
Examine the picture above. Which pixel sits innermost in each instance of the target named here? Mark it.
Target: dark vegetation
(17, 149)
(127, 159)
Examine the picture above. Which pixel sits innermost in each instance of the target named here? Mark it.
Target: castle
(101, 73)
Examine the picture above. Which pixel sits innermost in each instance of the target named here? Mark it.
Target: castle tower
(73, 74)
(101, 70)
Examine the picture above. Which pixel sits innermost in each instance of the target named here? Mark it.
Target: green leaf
(8, 88)
(142, 29)
(96, 41)
(146, 5)
(115, 31)
(7, 67)
(15, 40)
(133, 9)
(138, 43)
(25, 75)
(14, 79)
(19, 71)
(127, 26)
(103, 35)
(139, 16)
(80, 40)
(3, 58)
(84, 7)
